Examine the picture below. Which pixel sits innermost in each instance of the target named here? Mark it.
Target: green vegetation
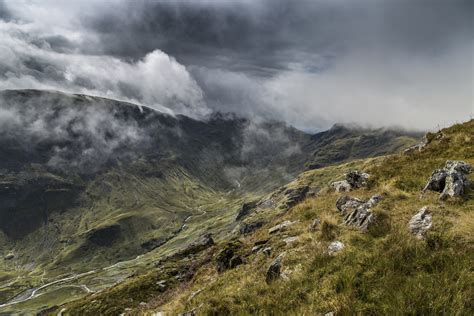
(384, 271)
(376, 273)
(101, 241)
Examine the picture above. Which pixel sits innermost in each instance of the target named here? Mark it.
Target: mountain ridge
(96, 181)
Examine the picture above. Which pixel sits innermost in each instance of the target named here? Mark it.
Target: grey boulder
(274, 270)
(451, 180)
(354, 180)
(356, 212)
(280, 227)
(421, 222)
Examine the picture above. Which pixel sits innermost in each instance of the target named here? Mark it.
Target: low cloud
(71, 137)
(28, 60)
(309, 63)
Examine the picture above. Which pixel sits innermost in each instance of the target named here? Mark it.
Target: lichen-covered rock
(274, 270)
(421, 222)
(356, 212)
(451, 181)
(280, 227)
(456, 180)
(437, 181)
(335, 247)
(314, 225)
(346, 204)
(341, 186)
(354, 180)
(357, 179)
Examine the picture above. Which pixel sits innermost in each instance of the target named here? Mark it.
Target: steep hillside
(340, 144)
(317, 261)
(96, 190)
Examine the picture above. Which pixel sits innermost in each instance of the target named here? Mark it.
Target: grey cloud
(70, 137)
(5, 14)
(309, 63)
(156, 80)
(270, 34)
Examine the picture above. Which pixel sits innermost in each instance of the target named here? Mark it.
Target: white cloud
(157, 80)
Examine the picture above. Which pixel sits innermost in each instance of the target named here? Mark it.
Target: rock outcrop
(205, 242)
(335, 247)
(227, 258)
(450, 181)
(247, 228)
(421, 222)
(354, 180)
(274, 270)
(246, 209)
(280, 227)
(267, 251)
(341, 186)
(295, 195)
(314, 225)
(427, 139)
(356, 212)
(417, 147)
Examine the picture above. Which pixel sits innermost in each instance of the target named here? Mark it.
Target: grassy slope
(342, 144)
(145, 208)
(146, 201)
(385, 271)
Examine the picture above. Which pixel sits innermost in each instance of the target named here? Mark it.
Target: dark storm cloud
(309, 63)
(262, 35)
(5, 14)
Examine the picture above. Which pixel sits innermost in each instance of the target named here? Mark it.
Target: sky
(310, 63)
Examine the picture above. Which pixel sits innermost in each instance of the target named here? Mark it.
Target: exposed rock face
(274, 270)
(259, 245)
(335, 247)
(451, 181)
(356, 212)
(205, 242)
(427, 139)
(354, 180)
(280, 227)
(341, 186)
(227, 258)
(421, 222)
(247, 228)
(357, 179)
(295, 195)
(246, 209)
(417, 147)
